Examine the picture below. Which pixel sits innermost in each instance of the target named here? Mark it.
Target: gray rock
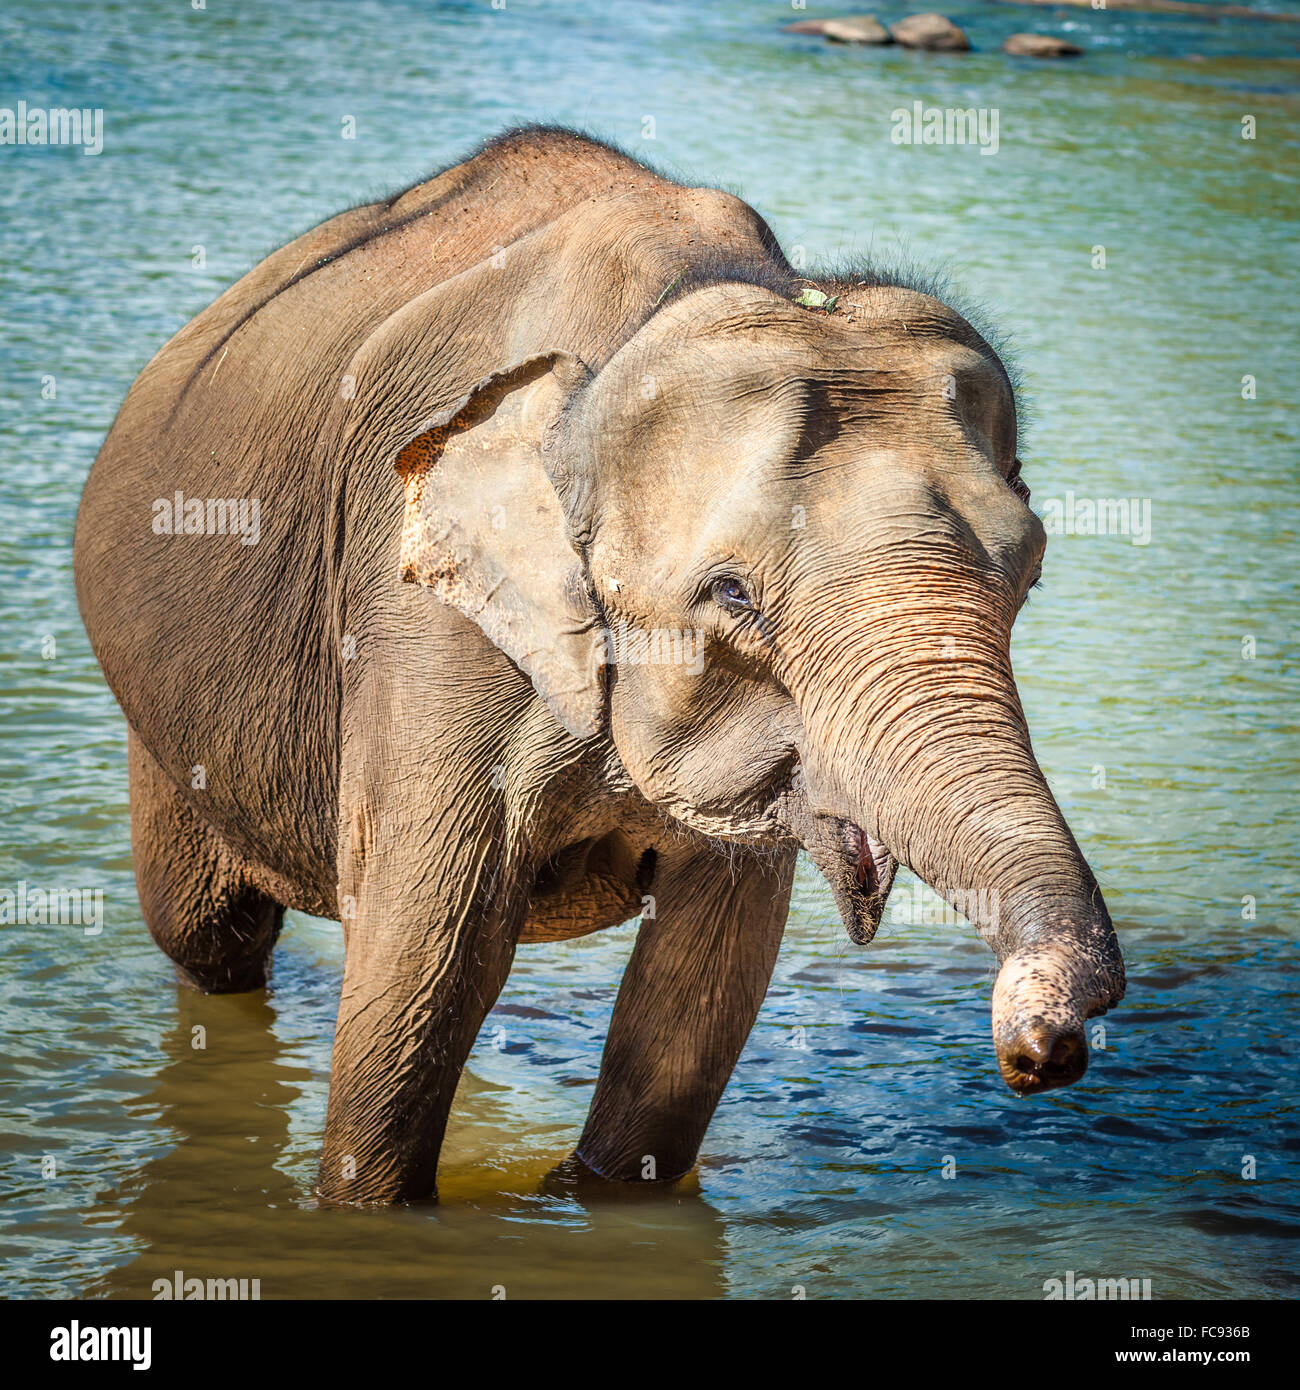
(930, 31)
(1040, 46)
(861, 28)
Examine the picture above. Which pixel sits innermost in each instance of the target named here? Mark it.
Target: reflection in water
(225, 1094)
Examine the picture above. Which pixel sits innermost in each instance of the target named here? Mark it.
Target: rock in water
(930, 31)
(861, 28)
(1040, 46)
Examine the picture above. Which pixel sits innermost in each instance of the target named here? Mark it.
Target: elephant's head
(775, 555)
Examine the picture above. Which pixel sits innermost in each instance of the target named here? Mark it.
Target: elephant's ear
(484, 530)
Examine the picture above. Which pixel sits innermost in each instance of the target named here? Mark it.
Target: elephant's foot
(572, 1177)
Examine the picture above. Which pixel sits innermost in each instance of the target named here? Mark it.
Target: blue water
(866, 1147)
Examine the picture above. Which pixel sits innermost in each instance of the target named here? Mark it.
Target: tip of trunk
(1044, 995)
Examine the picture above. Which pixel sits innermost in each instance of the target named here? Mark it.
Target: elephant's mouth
(873, 873)
(860, 871)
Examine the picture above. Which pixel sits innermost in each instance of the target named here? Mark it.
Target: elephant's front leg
(426, 957)
(689, 997)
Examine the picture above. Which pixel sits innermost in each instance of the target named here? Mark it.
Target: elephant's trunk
(916, 735)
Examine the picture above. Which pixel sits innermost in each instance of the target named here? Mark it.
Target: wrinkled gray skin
(543, 394)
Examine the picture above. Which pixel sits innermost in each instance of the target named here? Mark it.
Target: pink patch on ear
(417, 455)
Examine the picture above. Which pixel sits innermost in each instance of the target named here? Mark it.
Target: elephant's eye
(1017, 484)
(732, 595)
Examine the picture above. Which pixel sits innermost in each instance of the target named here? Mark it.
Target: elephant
(539, 549)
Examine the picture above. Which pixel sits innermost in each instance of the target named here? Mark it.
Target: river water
(865, 1147)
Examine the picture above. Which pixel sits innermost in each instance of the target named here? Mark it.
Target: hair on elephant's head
(774, 553)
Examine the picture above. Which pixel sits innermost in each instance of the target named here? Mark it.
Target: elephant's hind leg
(196, 896)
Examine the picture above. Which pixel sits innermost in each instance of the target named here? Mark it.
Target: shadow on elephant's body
(230, 1197)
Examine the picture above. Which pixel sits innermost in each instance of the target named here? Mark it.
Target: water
(869, 1074)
